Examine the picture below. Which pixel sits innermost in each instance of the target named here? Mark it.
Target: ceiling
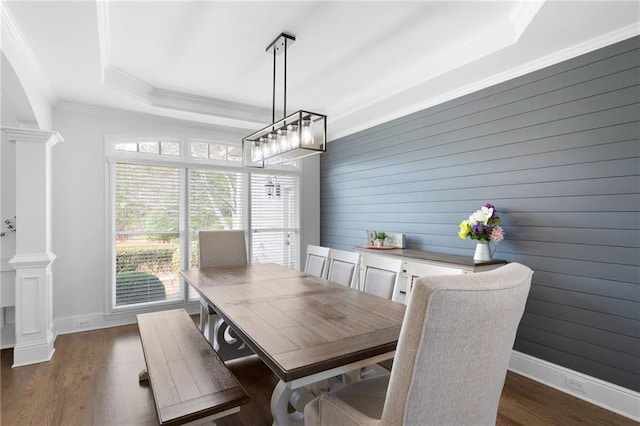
(360, 63)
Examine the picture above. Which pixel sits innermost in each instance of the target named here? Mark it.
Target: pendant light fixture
(296, 136)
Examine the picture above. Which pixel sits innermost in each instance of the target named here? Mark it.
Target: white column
(33, 259)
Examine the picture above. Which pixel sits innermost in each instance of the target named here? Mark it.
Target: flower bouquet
(482, 225)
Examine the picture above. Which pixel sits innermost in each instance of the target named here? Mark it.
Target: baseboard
(98, 320)
(595, 391)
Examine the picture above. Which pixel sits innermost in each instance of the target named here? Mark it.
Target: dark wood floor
(93, 380)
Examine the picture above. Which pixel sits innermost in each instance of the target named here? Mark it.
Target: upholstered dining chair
(344, 267)
(317, 260)
(218, 248)
(381, 276)
(451, 359)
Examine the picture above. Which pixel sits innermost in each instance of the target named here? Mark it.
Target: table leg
(227, 343)
(281, 398)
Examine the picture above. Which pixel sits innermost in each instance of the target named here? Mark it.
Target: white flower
(481, 216)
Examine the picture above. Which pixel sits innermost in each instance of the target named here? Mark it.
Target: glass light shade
(273, 144)
(293, 135)
(256, 152)
(283, 141)
(306, 134)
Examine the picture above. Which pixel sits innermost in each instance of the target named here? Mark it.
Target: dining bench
(190, 383)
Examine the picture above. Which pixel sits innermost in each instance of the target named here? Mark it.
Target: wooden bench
(188, 380)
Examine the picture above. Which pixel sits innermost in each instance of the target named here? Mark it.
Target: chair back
(382, 276)
(454, 347)
(344, 267)
(316, 263)
(221, 248)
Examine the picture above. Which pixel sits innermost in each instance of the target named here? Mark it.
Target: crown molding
(244, 115)
(546, 61)
(211, 106)
(227, 132)
(13, 35)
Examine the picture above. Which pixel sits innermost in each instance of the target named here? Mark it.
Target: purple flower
(477, 229)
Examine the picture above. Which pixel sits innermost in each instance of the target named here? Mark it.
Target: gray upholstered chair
(344, 267)
(218, 248)
(221, 248)
(382, 276)
(317, 260)
(451, 360)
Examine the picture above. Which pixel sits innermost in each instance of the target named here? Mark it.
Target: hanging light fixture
(296, 136)
(272, 187)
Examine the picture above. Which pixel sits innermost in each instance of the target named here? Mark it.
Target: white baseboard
(97, 320)
(595, 391)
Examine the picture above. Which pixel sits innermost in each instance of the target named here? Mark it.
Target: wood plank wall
(557, 152)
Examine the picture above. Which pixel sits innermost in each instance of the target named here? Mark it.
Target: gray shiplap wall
(557, 152)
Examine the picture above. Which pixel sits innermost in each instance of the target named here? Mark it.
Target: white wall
(80, 275)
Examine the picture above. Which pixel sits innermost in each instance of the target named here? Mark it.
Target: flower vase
(379, 243)
(483, 252)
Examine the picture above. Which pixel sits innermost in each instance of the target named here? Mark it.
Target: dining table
(306, 329)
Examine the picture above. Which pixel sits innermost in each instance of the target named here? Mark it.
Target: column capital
(17, 134)
(38, 260)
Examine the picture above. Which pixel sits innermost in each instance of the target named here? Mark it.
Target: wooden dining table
(305, 328)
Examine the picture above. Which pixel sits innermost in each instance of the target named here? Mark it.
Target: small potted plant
(380, 237)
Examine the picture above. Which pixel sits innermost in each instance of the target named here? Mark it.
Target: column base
(33, 353)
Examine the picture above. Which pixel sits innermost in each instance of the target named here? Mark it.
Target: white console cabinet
(418, 263)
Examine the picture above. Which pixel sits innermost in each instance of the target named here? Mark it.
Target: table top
(297, 323)
(455, 260)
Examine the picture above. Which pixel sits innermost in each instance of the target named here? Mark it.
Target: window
(147, 248)
(215, 202)
(275, 221)
(160, 147)
(215, 151)
(162, 194)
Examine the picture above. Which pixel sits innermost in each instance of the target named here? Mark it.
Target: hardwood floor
(93, 380)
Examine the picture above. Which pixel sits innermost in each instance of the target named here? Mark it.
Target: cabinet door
(415, 270)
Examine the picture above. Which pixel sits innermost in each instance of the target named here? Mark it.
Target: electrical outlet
(83, 323)
(575, 383)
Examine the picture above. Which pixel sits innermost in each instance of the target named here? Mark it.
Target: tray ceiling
(361, 63)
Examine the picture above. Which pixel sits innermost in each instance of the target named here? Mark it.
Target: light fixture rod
(284, 108)
(273, 97)
(278, 46)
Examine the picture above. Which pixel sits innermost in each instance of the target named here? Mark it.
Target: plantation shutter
(275, 225)
(147, 243)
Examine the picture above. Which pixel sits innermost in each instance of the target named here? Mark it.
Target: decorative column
(33, 259)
